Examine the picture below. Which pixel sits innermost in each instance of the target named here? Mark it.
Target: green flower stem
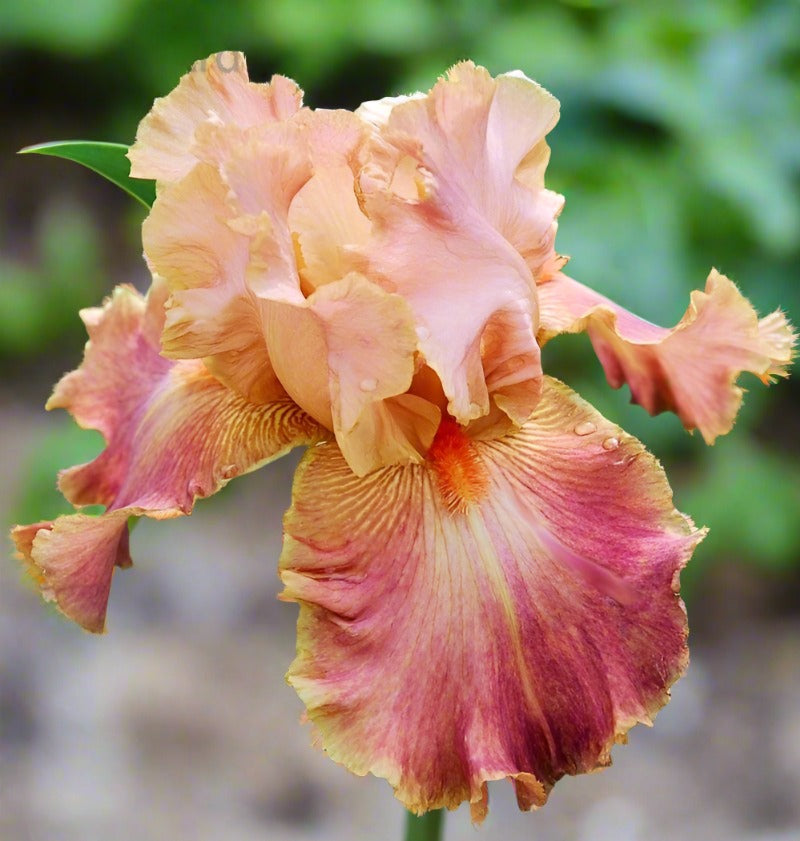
(427, 828)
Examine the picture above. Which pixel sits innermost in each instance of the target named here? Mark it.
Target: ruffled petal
(454, 188)
(469, 276)
(346, 355)
(328, 225)
(174, 434)
(211, 314)
(690, 369)
(483, 139)
(508, 609)
(215, 90)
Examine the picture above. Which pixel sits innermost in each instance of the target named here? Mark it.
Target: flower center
(460, 473)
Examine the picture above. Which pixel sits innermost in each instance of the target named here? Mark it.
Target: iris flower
(486, 568)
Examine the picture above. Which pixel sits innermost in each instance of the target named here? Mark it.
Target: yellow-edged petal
(508, 609)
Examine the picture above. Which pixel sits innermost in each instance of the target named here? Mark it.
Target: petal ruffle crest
(216, 90)
(193, 240)
(174, 434)
(690, 369)
(346, 354)
(454, 187)
(517, 635)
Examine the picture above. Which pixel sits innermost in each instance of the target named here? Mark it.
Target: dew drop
(585, 428)
(423, 333)
(368, 384)
(230, 471)
(611, 443)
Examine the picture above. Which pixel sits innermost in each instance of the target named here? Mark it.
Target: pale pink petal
(341, 354)
(174, 434)
(690, 369)
(508, 609)
(377, 111)
(217, 91)
(454, 188)
(482, 139)
(459, 281)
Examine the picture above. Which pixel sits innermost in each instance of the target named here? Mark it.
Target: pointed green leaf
(107, 159)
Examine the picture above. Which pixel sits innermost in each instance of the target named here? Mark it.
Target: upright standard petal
(690, 369)
(173, 433)
(215, 90)
(211, 314)
(507, 610)
(484, 138)
(454, 188)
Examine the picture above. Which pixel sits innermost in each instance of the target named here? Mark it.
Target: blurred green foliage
(678, 149)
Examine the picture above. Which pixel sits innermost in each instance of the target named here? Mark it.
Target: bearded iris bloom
(486, 568)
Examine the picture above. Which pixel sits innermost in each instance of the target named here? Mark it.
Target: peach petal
(455, 190)
(483, 138)
(346, 355)
(690, 369)
(215, 90)
(211, 314)
(174, 434)
(328, 225)
(469, 276)
(517, 634)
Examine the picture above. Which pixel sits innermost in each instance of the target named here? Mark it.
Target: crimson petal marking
(174, 434)
(441, 648)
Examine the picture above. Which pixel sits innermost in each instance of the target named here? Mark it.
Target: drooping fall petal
(174, 434)
(690, 369)
(73, 559)
(507, 609)
(216, 90)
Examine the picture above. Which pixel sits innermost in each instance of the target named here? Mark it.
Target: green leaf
(107, 159)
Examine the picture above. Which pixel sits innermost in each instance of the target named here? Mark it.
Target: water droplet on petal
(611, 443)
(368, 384)
(423, 333)
(585, 428)
(230, 471)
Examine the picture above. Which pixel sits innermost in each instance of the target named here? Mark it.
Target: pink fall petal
(174, 434)
(72, 559)
(507, 610)
(690, 369)
(216, 90)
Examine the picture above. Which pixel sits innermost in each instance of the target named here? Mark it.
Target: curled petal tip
(72, 560)
(691, 369)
